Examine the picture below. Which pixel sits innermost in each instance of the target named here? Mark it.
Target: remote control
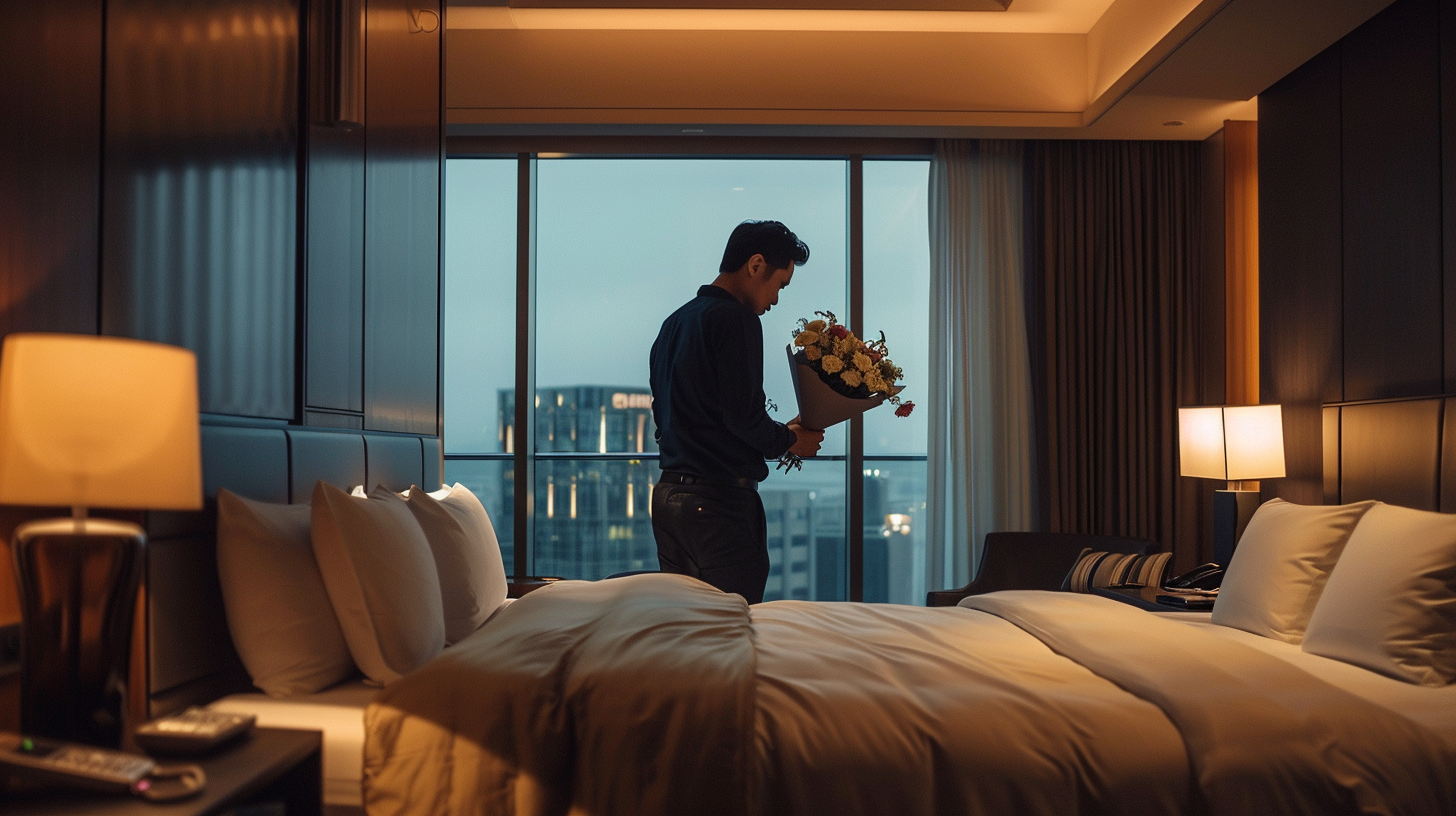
(194, 730)
(72, 764)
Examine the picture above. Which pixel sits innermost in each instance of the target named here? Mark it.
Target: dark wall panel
(1300, 260)
(335, 269)
(1390, 451)
(1448, 189)
(200, 218)
(1212, 363)
(402, 218)
(1391, 157)
(50, 182)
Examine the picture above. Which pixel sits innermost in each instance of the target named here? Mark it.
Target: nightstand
(267, 765)
(1144, 598)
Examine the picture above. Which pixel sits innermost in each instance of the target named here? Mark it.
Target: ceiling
(1107, 69)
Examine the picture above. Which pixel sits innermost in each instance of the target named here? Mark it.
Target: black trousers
(715, 533)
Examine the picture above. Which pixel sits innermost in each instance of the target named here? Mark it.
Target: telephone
(98, 769)
(1208, 576)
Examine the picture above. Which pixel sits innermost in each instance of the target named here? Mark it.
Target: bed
(656, 694)
(1313, 687)
(190, 654)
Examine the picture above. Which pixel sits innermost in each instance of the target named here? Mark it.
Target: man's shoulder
(716, 310)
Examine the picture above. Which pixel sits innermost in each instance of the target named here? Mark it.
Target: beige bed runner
(1263, 736)
(656, 694)
(628, 696)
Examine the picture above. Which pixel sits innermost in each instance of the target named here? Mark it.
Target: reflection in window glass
(491, 480)
(479, 301)
(894, 534)
(593, 517)
(897, 302)
(478, 353)
(808, 550)
(621, 244)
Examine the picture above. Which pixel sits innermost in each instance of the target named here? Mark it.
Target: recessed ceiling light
(1174, 123)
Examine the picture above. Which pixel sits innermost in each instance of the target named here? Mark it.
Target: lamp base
(78, 584)
(1232, 510)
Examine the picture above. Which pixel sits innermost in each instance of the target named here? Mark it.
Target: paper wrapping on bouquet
(820, 406)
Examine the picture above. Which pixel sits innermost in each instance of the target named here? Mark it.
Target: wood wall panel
(50, 183)
(1300, 260)
(50, 171)
(50, 90)
(1212, 367)
(1241, 261)
(1448, 193)
(402, 220)
(1391, 451)
(1391, 160)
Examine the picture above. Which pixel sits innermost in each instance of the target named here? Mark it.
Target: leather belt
(675, 477)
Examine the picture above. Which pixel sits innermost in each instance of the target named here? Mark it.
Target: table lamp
(88, 422)
(1232, 443)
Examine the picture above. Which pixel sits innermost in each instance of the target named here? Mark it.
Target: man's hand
(807, 442)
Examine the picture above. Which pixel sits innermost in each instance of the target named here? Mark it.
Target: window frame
(528, 150)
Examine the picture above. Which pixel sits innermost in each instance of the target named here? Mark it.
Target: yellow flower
(874, 381)
(805, 338)
(812, 352)
(815, 326)
(832, 364)
(845, 345)
(851, 377)
(861, 362)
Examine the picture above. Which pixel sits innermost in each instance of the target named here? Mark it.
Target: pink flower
(904, 409)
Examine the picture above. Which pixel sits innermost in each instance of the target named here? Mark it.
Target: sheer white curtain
(981, 457)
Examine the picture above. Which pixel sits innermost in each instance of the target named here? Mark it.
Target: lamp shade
(1232, 443)
(91, 421)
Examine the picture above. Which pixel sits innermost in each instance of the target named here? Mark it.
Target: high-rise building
(592, 496)
(593, 499)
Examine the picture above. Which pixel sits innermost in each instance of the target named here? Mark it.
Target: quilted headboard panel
(1401, 451)
(190, 658)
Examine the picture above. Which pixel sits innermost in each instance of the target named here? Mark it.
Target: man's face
(765, 287)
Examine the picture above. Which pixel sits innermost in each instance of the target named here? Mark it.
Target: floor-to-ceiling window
(615, 246)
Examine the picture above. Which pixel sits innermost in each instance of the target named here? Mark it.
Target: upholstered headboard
(190, 657)
(1401, 451)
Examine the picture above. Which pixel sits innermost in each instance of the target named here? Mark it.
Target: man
(713, 430)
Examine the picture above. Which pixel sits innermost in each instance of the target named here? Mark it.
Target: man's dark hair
(772, 240)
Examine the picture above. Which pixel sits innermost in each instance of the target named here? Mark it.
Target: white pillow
(381, 580)
(467, 556)
(1390, 604)
(278, 613)
(1280, 566)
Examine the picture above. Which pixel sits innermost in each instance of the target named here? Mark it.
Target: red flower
(838, 332)
(873, 355)
(904, 409)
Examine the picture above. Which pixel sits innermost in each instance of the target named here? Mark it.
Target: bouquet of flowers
(838, 376)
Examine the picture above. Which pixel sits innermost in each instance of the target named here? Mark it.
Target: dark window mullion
(854, 468)
(524, 440)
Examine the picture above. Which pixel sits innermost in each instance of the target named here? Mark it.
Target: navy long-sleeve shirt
(707, 391)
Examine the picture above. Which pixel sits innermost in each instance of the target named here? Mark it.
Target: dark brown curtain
(1114, 278)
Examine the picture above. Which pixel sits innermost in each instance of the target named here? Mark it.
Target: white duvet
(656, 694)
